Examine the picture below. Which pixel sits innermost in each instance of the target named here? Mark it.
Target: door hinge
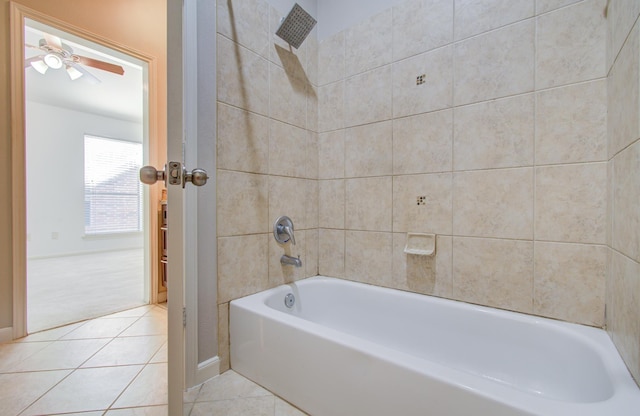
(184, 317)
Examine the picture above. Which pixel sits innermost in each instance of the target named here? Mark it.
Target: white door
(182, 220)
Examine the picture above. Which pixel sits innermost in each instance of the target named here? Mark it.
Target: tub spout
(292, 261)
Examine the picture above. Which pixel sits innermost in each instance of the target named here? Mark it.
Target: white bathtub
(351, 349)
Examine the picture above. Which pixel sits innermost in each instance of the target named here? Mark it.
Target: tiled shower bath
(509, 129)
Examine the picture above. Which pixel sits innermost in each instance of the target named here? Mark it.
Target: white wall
(337, 15)
(310, 6)
(55, 179)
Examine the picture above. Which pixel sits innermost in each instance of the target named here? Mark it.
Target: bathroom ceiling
(115, 96)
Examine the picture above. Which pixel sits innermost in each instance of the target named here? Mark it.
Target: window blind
(112, 190)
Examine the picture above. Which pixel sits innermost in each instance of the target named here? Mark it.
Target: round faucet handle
(283, 230)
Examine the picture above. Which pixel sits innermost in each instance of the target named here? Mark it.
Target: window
(112, 191)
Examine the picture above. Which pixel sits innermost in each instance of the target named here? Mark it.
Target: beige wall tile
(493, 203)
(331, 59)
(368, 43)
(245, 205)
(476, 16)
(290, 60)
(279, 273)
(422, 274)
(494, 134)
(287, 150)
(368, 150)
(434, 29)
(368, 97)
(246, 22)
(571, 203)
(495, 273)
(288, 196)
(311, 67)
(331, 107)
(610, 287)
(331, 252)
(623, 90)
(312, 162)
(331, 201)
(571, 124)
(626, 198)
(434, 214)
(569, 282)
(368, 257)
(331, 154)
(312, 205)
(242, 77)
(571, 44)
(423, 143)
(625, 309)
(621, 16)
(495, 64)
(223, 337)
(312, 240)
(243, 266)
(610, 196)
(411, 97)
(243, 140)
(312, 108)
(368, 204)
(544, 6)
(288, 95)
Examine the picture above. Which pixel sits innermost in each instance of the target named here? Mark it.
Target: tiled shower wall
(483, 122)
(623, 285)
(267, 158)
(496, 113)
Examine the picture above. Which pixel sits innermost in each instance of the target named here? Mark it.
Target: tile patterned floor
(115, 366)
(232, 394)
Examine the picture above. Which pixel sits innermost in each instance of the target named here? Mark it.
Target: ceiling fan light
(73, 73)
(40, 66)
(53, 61)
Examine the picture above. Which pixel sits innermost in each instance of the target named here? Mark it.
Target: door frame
(18, 14)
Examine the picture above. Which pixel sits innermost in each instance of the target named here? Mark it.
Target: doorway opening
(86, 136)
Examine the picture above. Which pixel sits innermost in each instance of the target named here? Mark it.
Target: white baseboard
(207, 370)
(6, 334)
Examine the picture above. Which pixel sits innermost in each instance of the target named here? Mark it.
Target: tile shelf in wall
(420, 244)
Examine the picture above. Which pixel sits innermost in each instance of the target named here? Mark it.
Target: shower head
(296, 26)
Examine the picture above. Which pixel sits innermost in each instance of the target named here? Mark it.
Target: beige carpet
(69, 289)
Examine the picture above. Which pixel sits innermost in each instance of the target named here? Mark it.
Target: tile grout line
(79, 367)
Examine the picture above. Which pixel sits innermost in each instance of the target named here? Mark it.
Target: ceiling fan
(57, 55)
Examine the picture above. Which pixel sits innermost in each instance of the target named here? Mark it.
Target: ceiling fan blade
(31, 46)
(53, 41)
(86, 74)
(105, 66)
(27, 62)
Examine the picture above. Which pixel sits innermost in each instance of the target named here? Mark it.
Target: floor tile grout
(151, 354)
(229, 390)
